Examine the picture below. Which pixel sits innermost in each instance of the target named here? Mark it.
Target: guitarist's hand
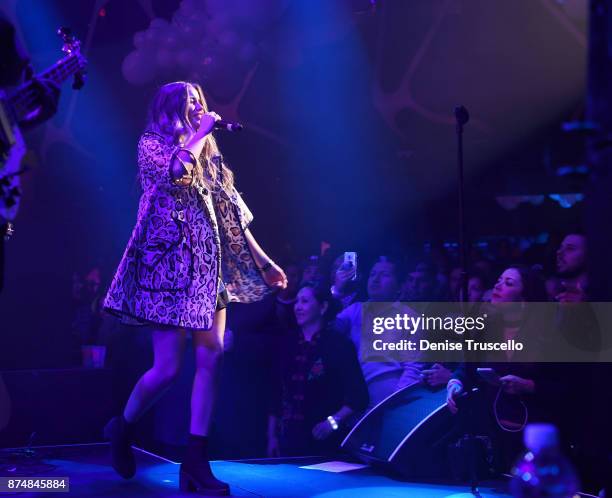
(7, 230)
(45, 103)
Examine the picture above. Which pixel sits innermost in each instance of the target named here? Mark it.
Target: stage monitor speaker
(409, 431)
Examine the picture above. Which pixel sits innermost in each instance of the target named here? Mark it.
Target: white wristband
(454, 381)
(332, 422)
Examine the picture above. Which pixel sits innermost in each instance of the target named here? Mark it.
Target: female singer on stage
(190, 253)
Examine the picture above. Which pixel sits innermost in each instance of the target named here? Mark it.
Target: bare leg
(168, 349)
(208, 348)
(196, 474)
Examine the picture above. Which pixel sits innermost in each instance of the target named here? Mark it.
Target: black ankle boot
(195, 475)
(119, 432)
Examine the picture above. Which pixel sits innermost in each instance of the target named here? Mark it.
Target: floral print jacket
(184, 240)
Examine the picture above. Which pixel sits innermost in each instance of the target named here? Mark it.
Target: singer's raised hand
(207, 123)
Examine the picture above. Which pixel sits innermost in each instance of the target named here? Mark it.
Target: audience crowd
(321, 382)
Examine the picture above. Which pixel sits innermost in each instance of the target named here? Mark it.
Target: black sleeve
(579, 329)
(345, 361)
(551, 383)
(277, 375)
(342, 325)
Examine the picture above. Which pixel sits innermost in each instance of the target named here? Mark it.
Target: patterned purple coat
(169, 273)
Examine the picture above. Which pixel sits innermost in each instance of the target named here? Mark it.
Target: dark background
(349, 134)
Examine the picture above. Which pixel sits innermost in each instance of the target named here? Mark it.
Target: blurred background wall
(349, 135)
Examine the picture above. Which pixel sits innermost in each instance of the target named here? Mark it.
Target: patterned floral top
(316, 378)
(185, 238)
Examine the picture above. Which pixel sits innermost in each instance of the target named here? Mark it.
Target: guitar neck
(61, 70)
(22, 99)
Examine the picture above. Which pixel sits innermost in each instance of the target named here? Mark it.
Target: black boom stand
(462, 117)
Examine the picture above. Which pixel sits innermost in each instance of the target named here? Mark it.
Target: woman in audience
(322, 384)
(523, 391)
(510, 320)
(479, 287)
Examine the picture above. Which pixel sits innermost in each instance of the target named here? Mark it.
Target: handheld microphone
(227, 125)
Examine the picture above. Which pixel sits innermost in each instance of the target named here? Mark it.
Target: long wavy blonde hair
(169, 118)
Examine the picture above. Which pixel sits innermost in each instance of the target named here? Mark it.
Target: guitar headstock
(72, 47)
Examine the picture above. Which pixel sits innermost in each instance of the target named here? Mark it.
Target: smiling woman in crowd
(322, 384)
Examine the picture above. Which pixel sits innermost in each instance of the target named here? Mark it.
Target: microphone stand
(462, 117)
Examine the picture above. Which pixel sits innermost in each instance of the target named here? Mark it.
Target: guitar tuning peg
(64, 32)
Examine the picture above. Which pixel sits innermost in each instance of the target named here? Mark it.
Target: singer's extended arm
(271, 272)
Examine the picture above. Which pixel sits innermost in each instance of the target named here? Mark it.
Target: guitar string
(64, 69)
(58, 68)
(27, 96)
(64, 66)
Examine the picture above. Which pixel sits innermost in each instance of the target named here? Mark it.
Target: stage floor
(90, 475)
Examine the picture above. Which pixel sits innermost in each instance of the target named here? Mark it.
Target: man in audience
(313, 270)
(572, 268)
(553, 287)
(421, 285)
(454, 282)
(385, 375)
(344, 280)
